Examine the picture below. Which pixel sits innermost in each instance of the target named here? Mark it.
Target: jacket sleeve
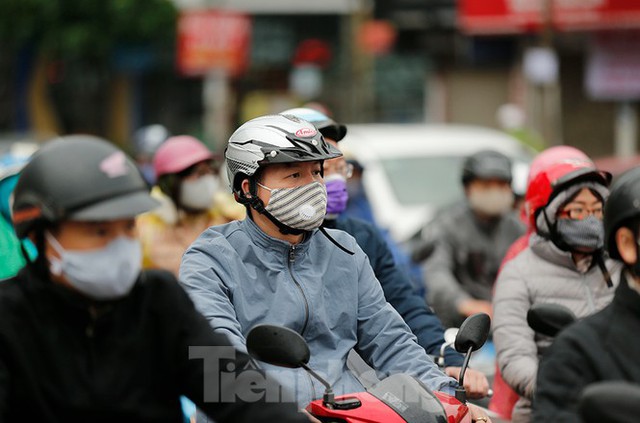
(443, 287)
(201, 276)
(398, 291)
(217, 377)
(385, 341)
(516, 350)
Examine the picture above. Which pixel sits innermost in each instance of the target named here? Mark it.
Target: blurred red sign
(211, 39)
(517, 16)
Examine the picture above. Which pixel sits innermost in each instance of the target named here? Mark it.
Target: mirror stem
(328, 397)
(461, 393)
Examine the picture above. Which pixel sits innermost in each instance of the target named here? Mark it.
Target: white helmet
(273, 139)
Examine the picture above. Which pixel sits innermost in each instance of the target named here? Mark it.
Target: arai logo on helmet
(306, 132)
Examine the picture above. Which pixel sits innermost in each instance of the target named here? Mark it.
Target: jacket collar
(626, 297)
(548, 251)
(58, 295)
(265, 241)
(487, 224)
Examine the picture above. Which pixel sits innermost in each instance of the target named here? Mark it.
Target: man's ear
(244, 188)
(627, 247)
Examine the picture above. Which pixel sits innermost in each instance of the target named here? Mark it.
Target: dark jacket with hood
(600, 347)
(64, 358)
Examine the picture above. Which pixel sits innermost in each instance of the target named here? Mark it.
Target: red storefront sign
(210, 39)
(518, 16)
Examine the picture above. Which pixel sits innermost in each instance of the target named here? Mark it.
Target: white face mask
(102, 274)
(492, 202)
(302, 207)
(198, 194)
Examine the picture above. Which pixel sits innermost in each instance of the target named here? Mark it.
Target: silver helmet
(273, 139)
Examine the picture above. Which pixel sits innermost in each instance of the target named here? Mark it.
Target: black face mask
(581, 234)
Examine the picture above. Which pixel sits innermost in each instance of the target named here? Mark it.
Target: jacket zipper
(292, 259)
(90, 332)
(90, 329)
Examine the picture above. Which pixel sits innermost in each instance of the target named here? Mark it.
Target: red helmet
(552, 155)
(179, 153)
(542, 160)
(555, 178)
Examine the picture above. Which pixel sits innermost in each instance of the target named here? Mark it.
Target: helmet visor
(121, 207)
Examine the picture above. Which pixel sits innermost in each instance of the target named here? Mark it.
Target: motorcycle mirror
(473, 333)
(549, 319)
(278, 345)
(610, 401)
(450, 335)
(284, 347)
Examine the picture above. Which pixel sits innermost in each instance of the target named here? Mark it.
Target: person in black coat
(603, 346)
(84, 334)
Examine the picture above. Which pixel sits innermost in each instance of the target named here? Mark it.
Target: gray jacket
(466, 259)
(238, 277)
(542, 273)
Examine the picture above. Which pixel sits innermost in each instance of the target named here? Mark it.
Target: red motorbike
(398, 398)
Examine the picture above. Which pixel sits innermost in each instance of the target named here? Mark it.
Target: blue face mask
(103, 274)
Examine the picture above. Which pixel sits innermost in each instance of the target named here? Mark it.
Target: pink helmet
(179, 153)
(552, 155)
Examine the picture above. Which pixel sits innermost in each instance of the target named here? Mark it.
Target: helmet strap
(553, 235)
(599, 258)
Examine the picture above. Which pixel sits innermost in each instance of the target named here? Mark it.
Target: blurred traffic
(368, 174)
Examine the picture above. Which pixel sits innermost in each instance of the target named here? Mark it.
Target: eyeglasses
(580, 213)
(344, 169)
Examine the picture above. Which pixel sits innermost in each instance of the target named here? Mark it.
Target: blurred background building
(569, 70)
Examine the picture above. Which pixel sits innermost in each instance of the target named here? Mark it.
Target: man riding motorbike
(276, 266)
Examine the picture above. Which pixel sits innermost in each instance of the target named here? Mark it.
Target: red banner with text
(518, 16)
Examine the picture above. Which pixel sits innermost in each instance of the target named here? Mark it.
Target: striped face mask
(303, 207)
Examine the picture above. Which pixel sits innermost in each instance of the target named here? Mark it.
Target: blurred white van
(411, 170)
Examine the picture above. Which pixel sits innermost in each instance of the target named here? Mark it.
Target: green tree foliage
(80, 46)
(85, 29)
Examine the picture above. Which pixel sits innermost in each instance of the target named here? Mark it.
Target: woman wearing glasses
(563, 264)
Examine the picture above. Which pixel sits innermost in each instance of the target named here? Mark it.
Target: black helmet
(78, 177)
(623, 204)
(486, 164)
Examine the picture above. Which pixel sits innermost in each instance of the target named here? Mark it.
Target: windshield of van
(433, 180)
